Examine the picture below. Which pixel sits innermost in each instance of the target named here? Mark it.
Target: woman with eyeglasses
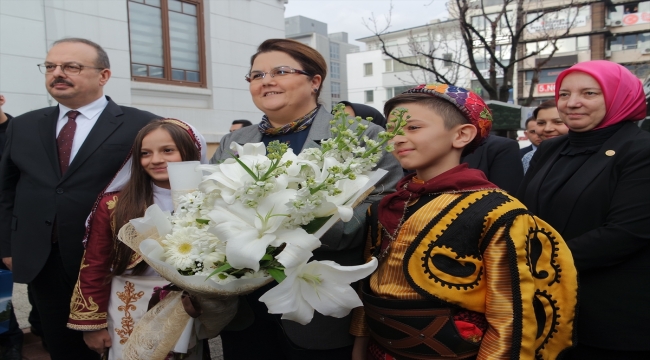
(285, 80)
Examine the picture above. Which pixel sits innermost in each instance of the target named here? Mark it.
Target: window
(367, 69)
(641, 71)
(448, 58)
(394, 91)
(389, 65)
(336, 70)
(566, 45)
(369, 96)
(546, 76)
(336, 90)
(334, 51)
(629, 42)
(166, 41)
(483, 23)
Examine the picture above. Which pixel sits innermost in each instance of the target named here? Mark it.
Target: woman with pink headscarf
(593, 186)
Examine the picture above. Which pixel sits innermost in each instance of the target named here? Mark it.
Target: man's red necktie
(64, 140)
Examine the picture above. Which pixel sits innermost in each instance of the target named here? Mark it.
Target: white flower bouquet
(259, 215)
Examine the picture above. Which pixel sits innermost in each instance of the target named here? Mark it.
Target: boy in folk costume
(465, 270)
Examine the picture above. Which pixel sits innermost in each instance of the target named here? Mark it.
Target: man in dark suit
(11, 341)
(531, 135)
(498, 158)
(56, 161)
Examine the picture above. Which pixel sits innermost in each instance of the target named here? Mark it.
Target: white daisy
(180, 250)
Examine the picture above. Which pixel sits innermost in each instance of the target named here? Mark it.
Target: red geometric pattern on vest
(64, 140)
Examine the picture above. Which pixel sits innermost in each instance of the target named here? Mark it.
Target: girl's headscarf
(623, 92)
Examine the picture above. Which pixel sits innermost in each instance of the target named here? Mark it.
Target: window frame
(369, 99)
(335, 54)
(335, 94)
(335, 74)
(365, 69)
(167, 60)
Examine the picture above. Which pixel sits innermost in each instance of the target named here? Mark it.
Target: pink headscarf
(623, 92)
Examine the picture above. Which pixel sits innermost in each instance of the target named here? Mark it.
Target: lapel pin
(610, 152)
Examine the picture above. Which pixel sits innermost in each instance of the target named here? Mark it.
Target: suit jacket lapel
(533, 189)
(47, 131)
(106, 124)
(319, 129)
(589, 171)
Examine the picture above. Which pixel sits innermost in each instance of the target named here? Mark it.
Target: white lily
(249, 231)
(153, 217)
(323, 286)
(293, 256)
(336, 203)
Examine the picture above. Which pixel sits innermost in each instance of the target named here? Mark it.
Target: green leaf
(203, 221)
(220, 269)
(248, 170)
(277, 274)
(316, 224)
(267, 257)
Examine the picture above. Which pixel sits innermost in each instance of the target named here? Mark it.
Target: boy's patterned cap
(469, 103)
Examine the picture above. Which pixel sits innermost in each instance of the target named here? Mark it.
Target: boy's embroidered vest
(444, 264)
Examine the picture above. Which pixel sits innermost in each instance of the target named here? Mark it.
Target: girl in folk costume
(465, 270)
(114, 285)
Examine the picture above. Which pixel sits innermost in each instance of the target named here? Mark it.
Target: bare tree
(493, 35)
(432, 52)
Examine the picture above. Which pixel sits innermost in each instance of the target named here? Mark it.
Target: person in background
(532, 136)
(545, 114)
(465, 271)
(238, 124)
(593, 187)
(498, 158)
(549, 125)
(285, 79)
(365, 111)
(56, 161)
(11, 341)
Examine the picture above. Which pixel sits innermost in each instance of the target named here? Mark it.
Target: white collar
(89, 111)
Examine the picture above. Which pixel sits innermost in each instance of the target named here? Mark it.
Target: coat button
(48, 223)
(59, 191)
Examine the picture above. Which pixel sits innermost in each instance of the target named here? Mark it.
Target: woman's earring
(315, 90)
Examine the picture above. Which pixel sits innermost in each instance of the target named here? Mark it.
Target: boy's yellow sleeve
(531, 292)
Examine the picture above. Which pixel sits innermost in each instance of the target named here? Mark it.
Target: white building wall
(20, 80)
(358, 82)
(383, 80)
(232, 30)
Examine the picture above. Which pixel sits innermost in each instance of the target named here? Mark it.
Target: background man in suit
(238, 124)
(11, 341)
(56, 161)
(498, 158)
(531, 135)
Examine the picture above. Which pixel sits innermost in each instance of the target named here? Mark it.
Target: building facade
(617, 31)
(374, 77)
(334, 48)
(183, 59)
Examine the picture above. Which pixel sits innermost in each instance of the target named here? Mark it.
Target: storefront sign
(546, 88)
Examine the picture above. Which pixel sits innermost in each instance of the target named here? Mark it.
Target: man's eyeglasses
(68, 69)
(278, 71)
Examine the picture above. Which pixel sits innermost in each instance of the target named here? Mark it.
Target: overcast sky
(348, 15)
